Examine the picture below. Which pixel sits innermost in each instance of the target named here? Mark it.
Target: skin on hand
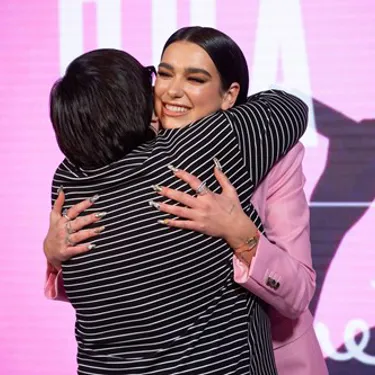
(217, 215)
(56, 246)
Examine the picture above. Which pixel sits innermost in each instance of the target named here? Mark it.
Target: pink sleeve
(54, 286)
(281, 274)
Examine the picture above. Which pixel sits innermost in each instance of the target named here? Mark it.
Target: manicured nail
(164, 222)
(99, 230)
(60, 189)
(172, 168)
(154, 204)
(91, 246)
(100, 215)
(157, 188)
(94, 198)
(217, 164)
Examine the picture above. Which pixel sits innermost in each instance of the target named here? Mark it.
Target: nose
(175, 88)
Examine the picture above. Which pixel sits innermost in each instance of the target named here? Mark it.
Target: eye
(164, 74)
(196, 79)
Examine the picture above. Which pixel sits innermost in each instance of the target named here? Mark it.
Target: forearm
(281, 271)
(253, 269)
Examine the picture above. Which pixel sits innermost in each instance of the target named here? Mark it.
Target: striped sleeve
(267, 127)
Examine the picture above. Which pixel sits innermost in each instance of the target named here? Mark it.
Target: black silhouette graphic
(349, 176)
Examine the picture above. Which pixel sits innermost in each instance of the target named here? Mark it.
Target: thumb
(224, 182)
(59, 202)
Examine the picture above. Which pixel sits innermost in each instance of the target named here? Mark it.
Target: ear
(230, 96)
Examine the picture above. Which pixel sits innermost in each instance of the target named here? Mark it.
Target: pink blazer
(281, 273)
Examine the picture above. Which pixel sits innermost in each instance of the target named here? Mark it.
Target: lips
(174, 110)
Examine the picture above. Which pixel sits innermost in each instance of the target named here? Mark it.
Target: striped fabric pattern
(155, 300)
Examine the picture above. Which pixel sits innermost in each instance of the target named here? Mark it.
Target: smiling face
(188, 86)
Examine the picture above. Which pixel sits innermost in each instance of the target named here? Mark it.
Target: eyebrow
(187, 70)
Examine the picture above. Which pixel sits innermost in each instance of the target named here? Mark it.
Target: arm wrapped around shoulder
(267, 126)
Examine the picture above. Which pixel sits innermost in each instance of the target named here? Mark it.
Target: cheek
(207, 101)
(157, 99)
(157, 107)
(160, 87)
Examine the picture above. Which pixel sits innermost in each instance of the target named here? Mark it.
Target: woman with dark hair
(183, 111)
(226, 55)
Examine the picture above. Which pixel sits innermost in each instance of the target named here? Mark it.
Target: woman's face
(187, 87)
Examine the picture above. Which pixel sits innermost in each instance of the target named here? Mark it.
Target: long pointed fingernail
(172, 168)
(154, 204)
(217, 164)
(100, 215)
(60, 189)
(99, 230)
(164, 222)
(94, 198)
(91, 246)
(157, 188)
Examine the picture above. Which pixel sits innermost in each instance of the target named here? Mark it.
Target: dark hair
(101, 109)
(227, 56)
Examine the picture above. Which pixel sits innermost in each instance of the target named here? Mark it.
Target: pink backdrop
(321, 49)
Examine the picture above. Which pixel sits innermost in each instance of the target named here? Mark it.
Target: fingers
(183, 224)
(75, 210)
(83, 221)
(59, 202)
(195, 182)
(182, 212)
(79, 249)
(224, 182)
(177, 196)
(190, 179)
(84, 235)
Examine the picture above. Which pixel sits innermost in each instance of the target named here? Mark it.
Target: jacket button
(272, 283)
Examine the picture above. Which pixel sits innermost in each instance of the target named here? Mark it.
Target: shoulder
(293, 158)
(289, 167)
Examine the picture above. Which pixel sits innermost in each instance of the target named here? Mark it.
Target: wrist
(244, 230)
(52, 268)
(247, 250)
(52, 262)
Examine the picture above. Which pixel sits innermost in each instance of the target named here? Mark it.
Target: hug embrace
(180, 230)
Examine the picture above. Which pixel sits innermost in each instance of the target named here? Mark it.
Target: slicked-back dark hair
(101, 109)
(227, 56)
